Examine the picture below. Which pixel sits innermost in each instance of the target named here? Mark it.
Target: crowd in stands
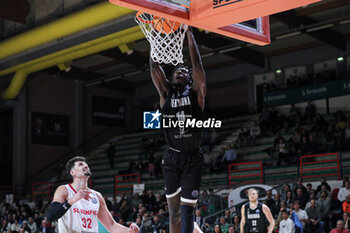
(294, 207)
(22, 217)
(294, 81)
(297, 133)
(322, 136)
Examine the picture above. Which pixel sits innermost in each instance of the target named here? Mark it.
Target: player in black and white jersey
(255, 215)
(182, 98)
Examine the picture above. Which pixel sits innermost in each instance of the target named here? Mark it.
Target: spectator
(279, 123)
(25, 227)
(243, 135)
(198, 218)
(140, 166)
(312, 196)
(315, 217)
(309, 188)
(278, 200)
(272, 150)
(160, 202)
(282, 151)
(136, 201)
(321, 125)
(229, 155)
(340, 228)
(110, 154)
(223, 225)
(346, 205)
(330, 139)
(301, 198)
(346, 221)
(347, 134)
(264, 120)
(228, 216)
(151, 200)
(217, 228)
(157, 226)
(38, 219)
(138, 222)
(294, 117)
(311, 146)
(231, 229)
(286, 188)
(5, 225)
(302, 215)
(339, 137)
(302, 147)
(213, 138)
(45, 227)
(302, 187)
(218, 159)
(310, 111)
(236, 223)
(323, 181)
(125, 210)
(151, 166)
(286, 225)
(323, 188)
(289, 198)
(255, 132)
(270, 202)
(203, 200)
(15, 227)
(341, 122)
(344, 191)
(214, 202)
(324, 205)
(32, 225)
(296, 140)
(108, 203)
(208, 160)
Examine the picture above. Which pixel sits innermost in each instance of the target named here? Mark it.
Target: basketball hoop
(165, 37)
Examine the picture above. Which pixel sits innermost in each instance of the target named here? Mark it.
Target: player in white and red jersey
(78, 208)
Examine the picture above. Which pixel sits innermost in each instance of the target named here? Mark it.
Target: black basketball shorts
(182, 173)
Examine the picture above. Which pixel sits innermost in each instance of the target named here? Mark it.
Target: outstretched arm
(159, 80)
(108, 222)
(198, 73)
(242, 219)
(269, 217)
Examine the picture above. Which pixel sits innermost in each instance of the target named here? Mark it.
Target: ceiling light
(230, 49)
(288, 35)
(320, 27)
(340, 59)
(93, 83)
(111, 79)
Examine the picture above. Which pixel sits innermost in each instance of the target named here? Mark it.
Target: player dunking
(182, 97)
(78, 208)
(254, 215)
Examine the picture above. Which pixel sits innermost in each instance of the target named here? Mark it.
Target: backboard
(220, 16)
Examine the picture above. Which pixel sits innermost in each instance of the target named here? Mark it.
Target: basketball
(164, 26)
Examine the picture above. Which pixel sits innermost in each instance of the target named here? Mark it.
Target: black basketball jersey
(182, 108)
(255, 219)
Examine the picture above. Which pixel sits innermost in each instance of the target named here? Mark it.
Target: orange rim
(141, 19)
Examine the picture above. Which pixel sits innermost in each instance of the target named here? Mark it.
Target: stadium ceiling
(323, 23)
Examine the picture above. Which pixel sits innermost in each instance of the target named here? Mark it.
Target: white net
(165, 37)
